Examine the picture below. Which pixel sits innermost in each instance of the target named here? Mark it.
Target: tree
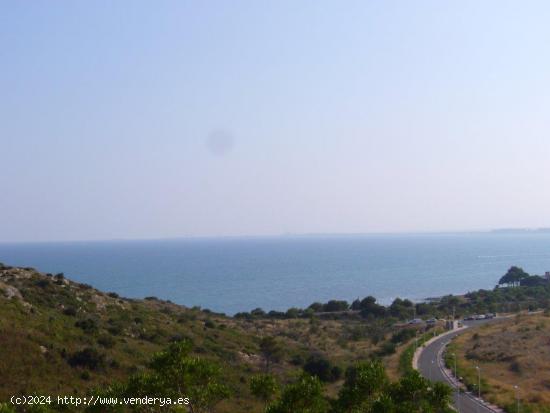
(258, 312)
(303, 396)
(440, 396)
(292, 312)
(317, 307)
(532, 281)
(356, 305)
(415, 394)
(271, 351)
(175, 373)
(368, 390)
(335, 306)
(401, 309)
(513, 276)
(369, 308)
(264, 387)
(364, 383)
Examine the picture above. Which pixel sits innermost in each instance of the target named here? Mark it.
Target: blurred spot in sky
(220, 142)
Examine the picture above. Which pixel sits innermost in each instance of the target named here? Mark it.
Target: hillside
(515, 352)
(60, 337)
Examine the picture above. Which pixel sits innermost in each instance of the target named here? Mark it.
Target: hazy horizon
(489, 231)
(179, 120)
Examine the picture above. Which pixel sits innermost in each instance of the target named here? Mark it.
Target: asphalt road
(431, 366)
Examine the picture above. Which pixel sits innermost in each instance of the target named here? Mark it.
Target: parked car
(480, 317)
(416, 321)
(469, 318)
(431, 321)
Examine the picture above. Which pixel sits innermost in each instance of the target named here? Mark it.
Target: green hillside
(59, 337)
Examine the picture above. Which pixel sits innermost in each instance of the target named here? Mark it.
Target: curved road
(431, 366)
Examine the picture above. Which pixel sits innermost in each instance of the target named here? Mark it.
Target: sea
(230, 275)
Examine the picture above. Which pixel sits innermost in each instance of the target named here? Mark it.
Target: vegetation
(513, 277)
(509, 353)
(264, 387)
(529, 292)
(69, 339)
(321, 367)
(366, 389)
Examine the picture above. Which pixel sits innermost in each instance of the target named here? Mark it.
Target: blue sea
(238, 274)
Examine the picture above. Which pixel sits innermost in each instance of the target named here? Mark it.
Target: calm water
(230, 275)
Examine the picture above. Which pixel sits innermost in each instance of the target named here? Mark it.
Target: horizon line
(509, 230)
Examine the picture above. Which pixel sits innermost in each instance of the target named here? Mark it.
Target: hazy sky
(135, 119)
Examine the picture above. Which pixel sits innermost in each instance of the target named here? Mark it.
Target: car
(431, 321)
(469, 318)
(489, 316)
(480, 317)
(416, 321)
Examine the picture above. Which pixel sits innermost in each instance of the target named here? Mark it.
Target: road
(431, 366)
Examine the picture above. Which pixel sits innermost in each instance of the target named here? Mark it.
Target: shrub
(70, 311)
(113, 295)
(4, 407)
(244, 315)
(297, 360)
(515, 367)
(115, 330)
(402, 336)
(387, 349)
(304, 396)
(106, 341)
(88, 325)
(89, 358)
(276, 314)
(264, 387)
(42, 283)
(322, 368)
(272, 351)
(186, 317)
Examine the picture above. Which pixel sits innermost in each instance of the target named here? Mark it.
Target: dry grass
(509, 353)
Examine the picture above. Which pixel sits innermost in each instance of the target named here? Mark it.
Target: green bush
(387, 349)
(402, 336)
(106, 341)
(320, 367)
(70, 311)
(89, 358)
(87, 325)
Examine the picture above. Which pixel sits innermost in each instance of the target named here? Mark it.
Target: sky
(139, 119)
